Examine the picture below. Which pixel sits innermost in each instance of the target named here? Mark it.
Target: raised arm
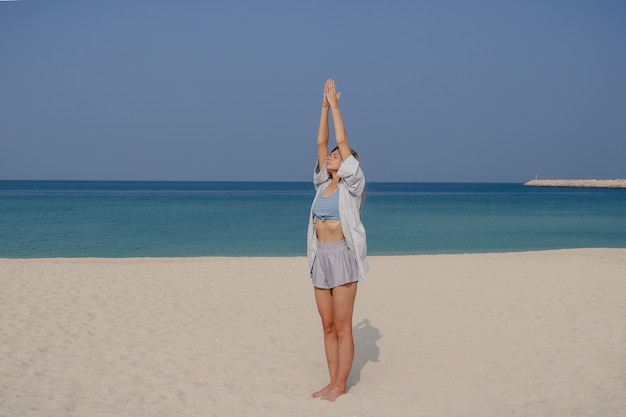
(322, 133)
(340, 131)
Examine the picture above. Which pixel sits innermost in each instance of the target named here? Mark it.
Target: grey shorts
(334, 265)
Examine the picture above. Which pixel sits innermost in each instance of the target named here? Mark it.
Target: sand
(511, 334)
(617, 183)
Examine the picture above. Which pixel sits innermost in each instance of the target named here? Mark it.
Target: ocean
(41, 219)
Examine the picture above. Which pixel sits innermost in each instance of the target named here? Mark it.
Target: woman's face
(334, 161)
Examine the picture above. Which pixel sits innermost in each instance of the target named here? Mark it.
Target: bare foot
(321, 392)
(333, 394)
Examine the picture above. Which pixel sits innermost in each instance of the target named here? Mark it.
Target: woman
(336, 245)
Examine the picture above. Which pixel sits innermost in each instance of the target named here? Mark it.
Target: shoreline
(278, 257)
(489, 334)
(616, 183)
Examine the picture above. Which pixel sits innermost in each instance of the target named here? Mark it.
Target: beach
(614, 183)
(475, 335)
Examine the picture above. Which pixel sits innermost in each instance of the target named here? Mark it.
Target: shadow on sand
(365, 349)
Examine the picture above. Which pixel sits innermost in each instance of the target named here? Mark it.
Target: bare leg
(324, 301)
(343, 307)
(336, 307)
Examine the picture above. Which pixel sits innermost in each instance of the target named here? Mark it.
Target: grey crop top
(327, 208)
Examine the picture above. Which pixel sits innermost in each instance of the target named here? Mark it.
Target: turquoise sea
(137, 219)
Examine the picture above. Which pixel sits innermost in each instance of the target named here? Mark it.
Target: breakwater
(618, 183)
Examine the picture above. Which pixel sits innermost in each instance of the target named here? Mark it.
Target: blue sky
(486, 91)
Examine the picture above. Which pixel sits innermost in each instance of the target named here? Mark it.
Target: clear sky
(485, 91)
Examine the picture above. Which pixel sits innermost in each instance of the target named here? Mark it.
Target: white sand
(617, 183)
(514, 334)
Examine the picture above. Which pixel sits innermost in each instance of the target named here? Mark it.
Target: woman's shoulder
(349, 167)
(320, 175)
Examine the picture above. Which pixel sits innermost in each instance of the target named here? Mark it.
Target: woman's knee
(342, 329)
(328, 326)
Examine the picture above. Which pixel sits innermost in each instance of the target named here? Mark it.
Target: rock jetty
(577, 183)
